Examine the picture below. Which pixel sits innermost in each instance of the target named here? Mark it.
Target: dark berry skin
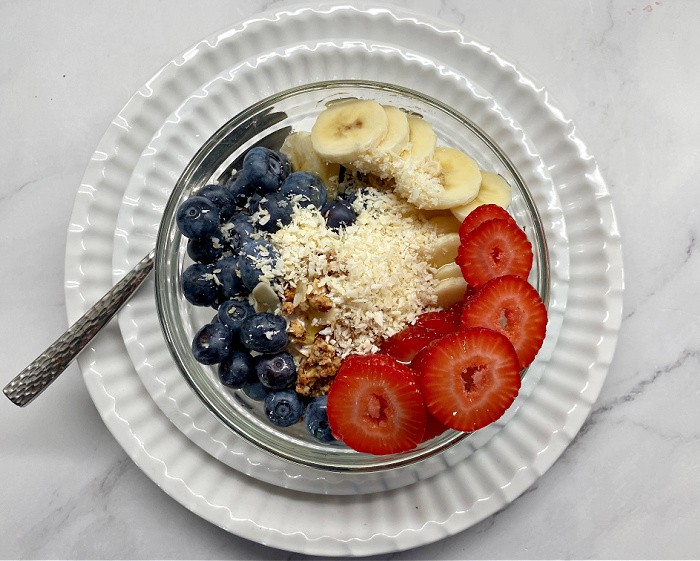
(307, 187)
(350, 196)
(276, 212)
(227, 271)
(237, 369)
(316, 419)
(264, 332)
(212, 343)
(276, 371)
(265, 169)
(234, 312)
(283, 408)
(197, 217)
(240, 188)
(254, 203)
(255, 390)
(338, 215)
(222, 198)
(237, 232)
(206, 250)
(251, 254)
(198, 285)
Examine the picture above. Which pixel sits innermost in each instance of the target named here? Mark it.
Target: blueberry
(308, 186)
(237, 231)
(286, 165)
(276, 371)
(242, 224)
(265, 169)
(253, 203)
(206, 250)
(349, 196)
(255, 390)
(256, 255)
(222, 197)
(237, 369)
(316, 419)
(234, 312)
(220, 299)
(264, 332)
(212, 343)
(338, 214)
(274, 212)
(227, 271)
(197, 217)
(198, 285)
(240, 188)
(283, 408)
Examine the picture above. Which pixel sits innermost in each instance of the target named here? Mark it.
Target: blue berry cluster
(226, 226)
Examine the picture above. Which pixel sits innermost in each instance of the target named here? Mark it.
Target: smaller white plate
(155, 174)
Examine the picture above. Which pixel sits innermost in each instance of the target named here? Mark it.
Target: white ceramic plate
(457, 497)
(182, 134)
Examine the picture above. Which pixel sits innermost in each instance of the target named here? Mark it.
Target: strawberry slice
(444, 321)
(433, 428)
(417, 362)
(469, 378)
(480, 215)
(510, 305)
(375, 405)
(493, 249)
(384, 360)
(405, 344)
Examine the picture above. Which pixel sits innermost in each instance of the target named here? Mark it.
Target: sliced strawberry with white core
(493, 249)
(480, 215)
(433, 428)
(375, 405)
(469, 378)
(406, 344)
(444, 321)
(511, 306)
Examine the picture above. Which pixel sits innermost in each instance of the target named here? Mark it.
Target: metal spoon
(36, 377)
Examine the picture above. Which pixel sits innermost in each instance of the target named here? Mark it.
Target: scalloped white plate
(461, 494)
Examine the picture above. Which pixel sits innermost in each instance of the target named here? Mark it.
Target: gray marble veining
(627, 486)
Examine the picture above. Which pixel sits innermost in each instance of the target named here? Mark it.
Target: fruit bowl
(268, 123)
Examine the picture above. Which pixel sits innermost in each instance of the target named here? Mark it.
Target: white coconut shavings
(417, 182)
(376, 271)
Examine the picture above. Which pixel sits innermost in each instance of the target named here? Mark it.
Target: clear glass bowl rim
(167, 278)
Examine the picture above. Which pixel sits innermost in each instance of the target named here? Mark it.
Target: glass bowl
(267, 123)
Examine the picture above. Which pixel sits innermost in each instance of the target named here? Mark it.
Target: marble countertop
(624, 71)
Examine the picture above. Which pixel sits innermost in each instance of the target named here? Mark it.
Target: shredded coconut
(376, 272)
(417, 182)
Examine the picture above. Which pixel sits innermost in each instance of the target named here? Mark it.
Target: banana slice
(460, 178)
(448, 271)
(300, 151)
(397, 135)
(450, 291)
(266, 299)
(493, 190)
(422, 140)
(443, 221)
(384, 161)
(346, 130)
(445, 250)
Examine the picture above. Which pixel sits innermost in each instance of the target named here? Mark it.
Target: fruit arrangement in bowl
(371, 298)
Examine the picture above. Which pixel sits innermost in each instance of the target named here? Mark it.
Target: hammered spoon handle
(36, 377)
